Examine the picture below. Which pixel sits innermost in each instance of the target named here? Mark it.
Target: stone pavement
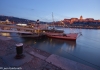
(4, 38)
(11, 61)
(35, 59)
(38, 55)
(67, 64)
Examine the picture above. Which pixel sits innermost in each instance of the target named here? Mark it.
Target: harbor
(49, 35)
(43, 38)
(38, 31)
(44, 48)
(34, 59)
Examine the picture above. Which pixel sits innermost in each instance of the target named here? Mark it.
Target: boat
(62, 35)
(70, 36)
(54, 30)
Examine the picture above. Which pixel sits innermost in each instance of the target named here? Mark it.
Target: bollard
(19, 50)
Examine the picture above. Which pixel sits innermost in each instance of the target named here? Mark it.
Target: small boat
(70, 36)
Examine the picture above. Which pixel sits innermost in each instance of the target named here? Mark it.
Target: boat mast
(53, 18)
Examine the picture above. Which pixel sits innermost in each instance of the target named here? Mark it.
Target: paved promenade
(34, 59)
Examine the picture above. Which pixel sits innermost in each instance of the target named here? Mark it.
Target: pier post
(19, 51)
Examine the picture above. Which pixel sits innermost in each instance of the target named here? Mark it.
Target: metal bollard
(19, 50)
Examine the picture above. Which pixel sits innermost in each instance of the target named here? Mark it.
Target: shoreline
(76, 27)
(39, 59)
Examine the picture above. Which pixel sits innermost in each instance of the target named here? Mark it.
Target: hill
(16, 19)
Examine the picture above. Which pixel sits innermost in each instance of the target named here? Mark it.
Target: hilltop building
(81, 17)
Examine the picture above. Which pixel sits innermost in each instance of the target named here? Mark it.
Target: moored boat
(70, 36)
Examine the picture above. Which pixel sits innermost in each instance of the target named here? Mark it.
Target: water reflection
(6, 34)
(52, 45)
(65, 45)
(45, 43)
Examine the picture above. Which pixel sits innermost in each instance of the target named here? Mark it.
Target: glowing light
(22, 24)
(43, 31)
(32, 26)
(50, 40)
(34, 42)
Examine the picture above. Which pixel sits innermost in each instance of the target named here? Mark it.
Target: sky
(42, 9)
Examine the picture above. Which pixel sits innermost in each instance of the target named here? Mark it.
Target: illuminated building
(74, 19)
(81, 18)
(66, 20)
(89, 19)
(99, 20)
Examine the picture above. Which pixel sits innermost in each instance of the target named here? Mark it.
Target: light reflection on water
(68, 47)
(85, 50)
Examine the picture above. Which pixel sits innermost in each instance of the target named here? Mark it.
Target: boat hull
(72, 36)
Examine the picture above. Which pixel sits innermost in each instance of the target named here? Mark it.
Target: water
(85, 50)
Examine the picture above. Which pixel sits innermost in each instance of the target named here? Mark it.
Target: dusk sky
(42, 9)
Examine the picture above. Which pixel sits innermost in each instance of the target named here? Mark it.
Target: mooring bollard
(19, 50)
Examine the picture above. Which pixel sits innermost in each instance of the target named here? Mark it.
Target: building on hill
(66, 20)
(5, 22)
(89, 19)
(81, 17)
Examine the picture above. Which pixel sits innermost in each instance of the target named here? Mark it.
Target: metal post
(19, 51)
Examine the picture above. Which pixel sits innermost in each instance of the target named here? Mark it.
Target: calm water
(85, 50)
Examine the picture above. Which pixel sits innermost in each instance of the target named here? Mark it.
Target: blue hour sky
(42, 9)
